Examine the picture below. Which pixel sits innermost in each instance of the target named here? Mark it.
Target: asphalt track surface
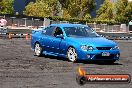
(20, 68)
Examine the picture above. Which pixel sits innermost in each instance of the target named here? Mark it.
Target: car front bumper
(97, 55)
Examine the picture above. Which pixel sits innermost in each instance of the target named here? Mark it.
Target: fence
(35, 22)
(26, 22)
(24, 33)
(103, 27)
(22, 25)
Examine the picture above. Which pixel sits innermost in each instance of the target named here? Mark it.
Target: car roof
(66, 25)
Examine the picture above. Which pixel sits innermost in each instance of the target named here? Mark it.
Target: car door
(47, 38)
(56, 41)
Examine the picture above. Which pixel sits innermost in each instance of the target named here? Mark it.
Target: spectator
(3, 21)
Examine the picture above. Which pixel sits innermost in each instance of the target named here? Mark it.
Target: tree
(123, 11)
(105, 12)
(55, 7)
(43, 8)
(80, 8)
(39, 9)
(6, 6)
(61, 8)
(128, 12)
(64, 3)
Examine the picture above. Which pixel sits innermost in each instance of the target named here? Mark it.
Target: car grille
(103, 48)
(99, 56)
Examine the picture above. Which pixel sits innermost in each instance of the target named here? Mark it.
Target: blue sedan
(74, 42)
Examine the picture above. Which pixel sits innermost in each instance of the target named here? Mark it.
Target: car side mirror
(60, 36)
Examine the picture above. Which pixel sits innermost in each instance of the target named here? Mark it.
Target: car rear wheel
(38, 49)
(71, 54)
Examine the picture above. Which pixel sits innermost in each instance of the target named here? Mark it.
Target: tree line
(121, 11)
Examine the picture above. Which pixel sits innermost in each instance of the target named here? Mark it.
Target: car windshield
(80, 32)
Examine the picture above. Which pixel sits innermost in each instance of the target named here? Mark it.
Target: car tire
(71, 54)
(38, 49)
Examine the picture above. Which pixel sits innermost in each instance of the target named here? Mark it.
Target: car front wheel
(38, 49)
(71, 54)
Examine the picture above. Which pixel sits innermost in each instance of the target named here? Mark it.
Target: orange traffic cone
(26, 36)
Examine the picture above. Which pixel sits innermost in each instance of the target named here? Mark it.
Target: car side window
(49, 30)
(58, 31)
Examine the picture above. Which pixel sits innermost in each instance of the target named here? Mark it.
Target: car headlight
(85, 47)
(116, 48)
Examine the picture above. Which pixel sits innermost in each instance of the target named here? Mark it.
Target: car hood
(94, 41)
